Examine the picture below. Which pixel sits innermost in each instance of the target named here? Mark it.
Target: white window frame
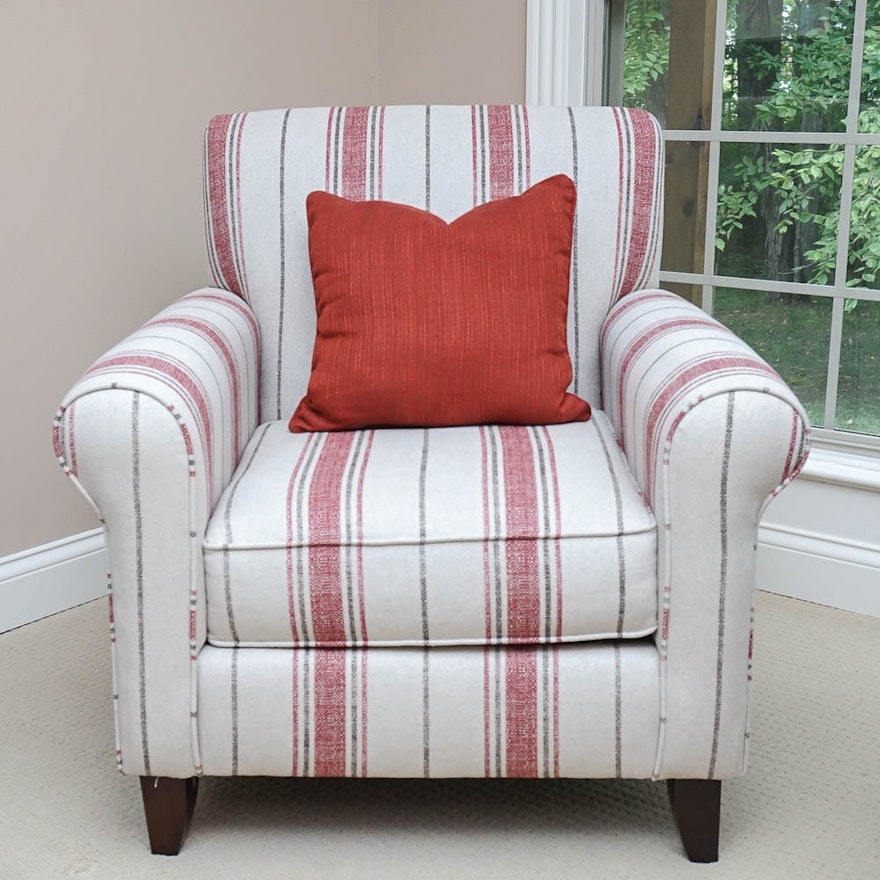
(818, 539)
(565, 65)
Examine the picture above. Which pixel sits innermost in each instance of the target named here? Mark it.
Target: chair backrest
(260, 166)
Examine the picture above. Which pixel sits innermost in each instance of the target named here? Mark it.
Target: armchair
(566, 600)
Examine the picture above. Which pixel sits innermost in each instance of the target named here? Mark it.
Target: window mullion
(708, 301)
(843, 229)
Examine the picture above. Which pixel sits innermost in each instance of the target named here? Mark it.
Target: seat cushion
(442, 536)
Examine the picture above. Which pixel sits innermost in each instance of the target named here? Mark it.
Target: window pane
(790, 332)
(778, 212)
(646, 55)
(787, 64)
(858, 400)
(863, 269)
(869, 117)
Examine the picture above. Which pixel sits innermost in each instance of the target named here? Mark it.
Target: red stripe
(71, 437)
(681, 384)
(218, 138)
(325, 536)
(622, 307)
(330, 713)
(521, 503)
(644, 150)
(523, 600)
(222, 346)
(475, 154)
(179, 380)
(795, 422)
(621, 177)
(521, 678)
(354, 153)
(644, 340)
(501, 153)
(238, 305)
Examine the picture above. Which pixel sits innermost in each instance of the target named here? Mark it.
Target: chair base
(168, 807)
(696, 805)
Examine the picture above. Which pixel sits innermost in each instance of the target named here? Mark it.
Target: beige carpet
(809, 807)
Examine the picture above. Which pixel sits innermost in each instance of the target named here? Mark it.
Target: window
(771, 110)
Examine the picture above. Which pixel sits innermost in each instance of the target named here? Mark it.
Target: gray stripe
(227, 519)
(499, 653)
(139, 574)
(307, 711)
(722, 589)
(234, 695)
(428, 157)
(520, 178)
(545, 542)
(423, 533)
(355, 686)
(496, 536)
(300, 533)
(618, 715)
(626, 184)
(426, 712)
(374, 113)
(282, 275)
(621, 552)
(575, 299)
(483, 159)
(337, 128)
(423, 593)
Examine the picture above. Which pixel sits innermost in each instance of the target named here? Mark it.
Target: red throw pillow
(427, 323)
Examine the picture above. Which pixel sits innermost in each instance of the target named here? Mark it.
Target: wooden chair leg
(696, 805)
(168, 807)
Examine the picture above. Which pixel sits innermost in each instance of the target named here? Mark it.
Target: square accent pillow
(423, 323)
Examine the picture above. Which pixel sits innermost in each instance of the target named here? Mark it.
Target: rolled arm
(711, 433)
(151, 435)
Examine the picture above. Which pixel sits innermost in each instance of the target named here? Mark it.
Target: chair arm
(711, 433)
(151, 435)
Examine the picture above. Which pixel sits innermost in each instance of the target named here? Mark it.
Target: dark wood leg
(696, 805)
(168, 806)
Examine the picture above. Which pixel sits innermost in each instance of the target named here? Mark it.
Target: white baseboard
(816, 569)
(53, 577)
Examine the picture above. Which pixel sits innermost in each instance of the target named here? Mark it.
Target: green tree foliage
(809, 72)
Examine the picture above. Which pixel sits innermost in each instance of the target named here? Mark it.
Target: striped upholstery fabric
(712, 433)
(151, 434)
(176, 436)
(261, 166)
(472, 535)
(587, 710)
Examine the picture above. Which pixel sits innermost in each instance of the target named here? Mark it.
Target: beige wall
(104, 103)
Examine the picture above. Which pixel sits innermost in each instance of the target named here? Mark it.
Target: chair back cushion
(261, 166)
